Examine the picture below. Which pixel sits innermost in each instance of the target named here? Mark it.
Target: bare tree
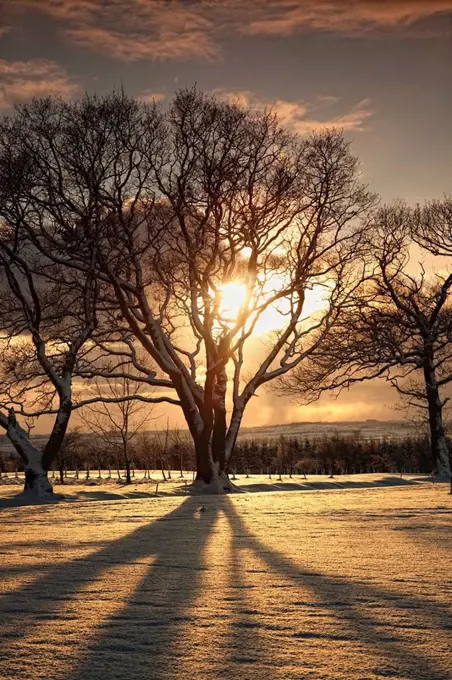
(47, 318)
(399, 327)
(431, 226)
(184, 210)
(116, 422)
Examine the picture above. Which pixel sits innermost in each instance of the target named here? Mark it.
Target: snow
(350, 584)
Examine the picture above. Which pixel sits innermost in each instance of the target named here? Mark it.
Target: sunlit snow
(349, 584)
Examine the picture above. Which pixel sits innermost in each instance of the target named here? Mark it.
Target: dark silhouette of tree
(47, 318)
(399, 326)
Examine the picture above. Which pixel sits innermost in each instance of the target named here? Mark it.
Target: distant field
(114, 489)
(368, 429)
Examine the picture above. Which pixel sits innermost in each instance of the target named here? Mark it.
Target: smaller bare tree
(117, 421)
(47, 319)
(399, 327)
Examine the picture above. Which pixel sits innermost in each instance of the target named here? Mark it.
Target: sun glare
(233, 297)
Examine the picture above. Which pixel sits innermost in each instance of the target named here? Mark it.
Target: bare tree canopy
(399, 325)
(431, 226)
(199, 222)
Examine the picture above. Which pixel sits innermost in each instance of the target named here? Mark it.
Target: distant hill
(367, 429)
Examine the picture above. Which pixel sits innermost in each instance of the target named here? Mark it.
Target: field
(322, 584)
(367, 429)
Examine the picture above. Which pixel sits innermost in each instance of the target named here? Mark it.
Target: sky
(380, 69)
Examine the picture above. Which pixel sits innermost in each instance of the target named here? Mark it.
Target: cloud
(180, 29)
(20, 81)
(283, 17)
(135, 29)
(305, 117)
(60, 9)
(168, 44)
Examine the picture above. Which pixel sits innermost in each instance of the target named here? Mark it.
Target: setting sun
(233, 297)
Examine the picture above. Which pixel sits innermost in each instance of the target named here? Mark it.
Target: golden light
(233, 297)
(314, 301)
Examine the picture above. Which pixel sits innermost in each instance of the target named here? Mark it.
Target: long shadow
(245, 643)
(346, 599)
(175, 544)
(146, 638)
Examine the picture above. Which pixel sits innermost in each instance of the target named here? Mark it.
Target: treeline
(172, 455)
(333, 455)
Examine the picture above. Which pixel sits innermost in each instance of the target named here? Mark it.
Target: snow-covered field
(350, 583)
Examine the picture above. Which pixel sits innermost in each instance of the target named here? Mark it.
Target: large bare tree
(206, 220)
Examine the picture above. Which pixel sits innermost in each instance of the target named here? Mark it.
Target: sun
(234, 295)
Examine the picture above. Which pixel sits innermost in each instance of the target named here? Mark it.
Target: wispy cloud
(164, 30)
(133, 45)
(135, 29)
(20, 81)
(283, 17)
(305, 117)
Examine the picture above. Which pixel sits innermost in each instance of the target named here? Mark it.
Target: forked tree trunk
(36, 461)
(211, 472)
(213, 440)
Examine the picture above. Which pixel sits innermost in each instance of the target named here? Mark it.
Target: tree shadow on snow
(350, 604)
(171, 549)
(153, 630)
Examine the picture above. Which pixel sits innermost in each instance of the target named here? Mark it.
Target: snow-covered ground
(104, 488)
(352, 583)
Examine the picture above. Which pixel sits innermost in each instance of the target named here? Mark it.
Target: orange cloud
(166, 44)
(299, 115)
(282, 17)
(20, 81)
(153, 29)
(135, 29)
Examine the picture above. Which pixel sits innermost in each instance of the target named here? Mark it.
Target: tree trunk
(127, 462)
(128, 472)
(438, 443)
(209, 475)
(37, 485)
